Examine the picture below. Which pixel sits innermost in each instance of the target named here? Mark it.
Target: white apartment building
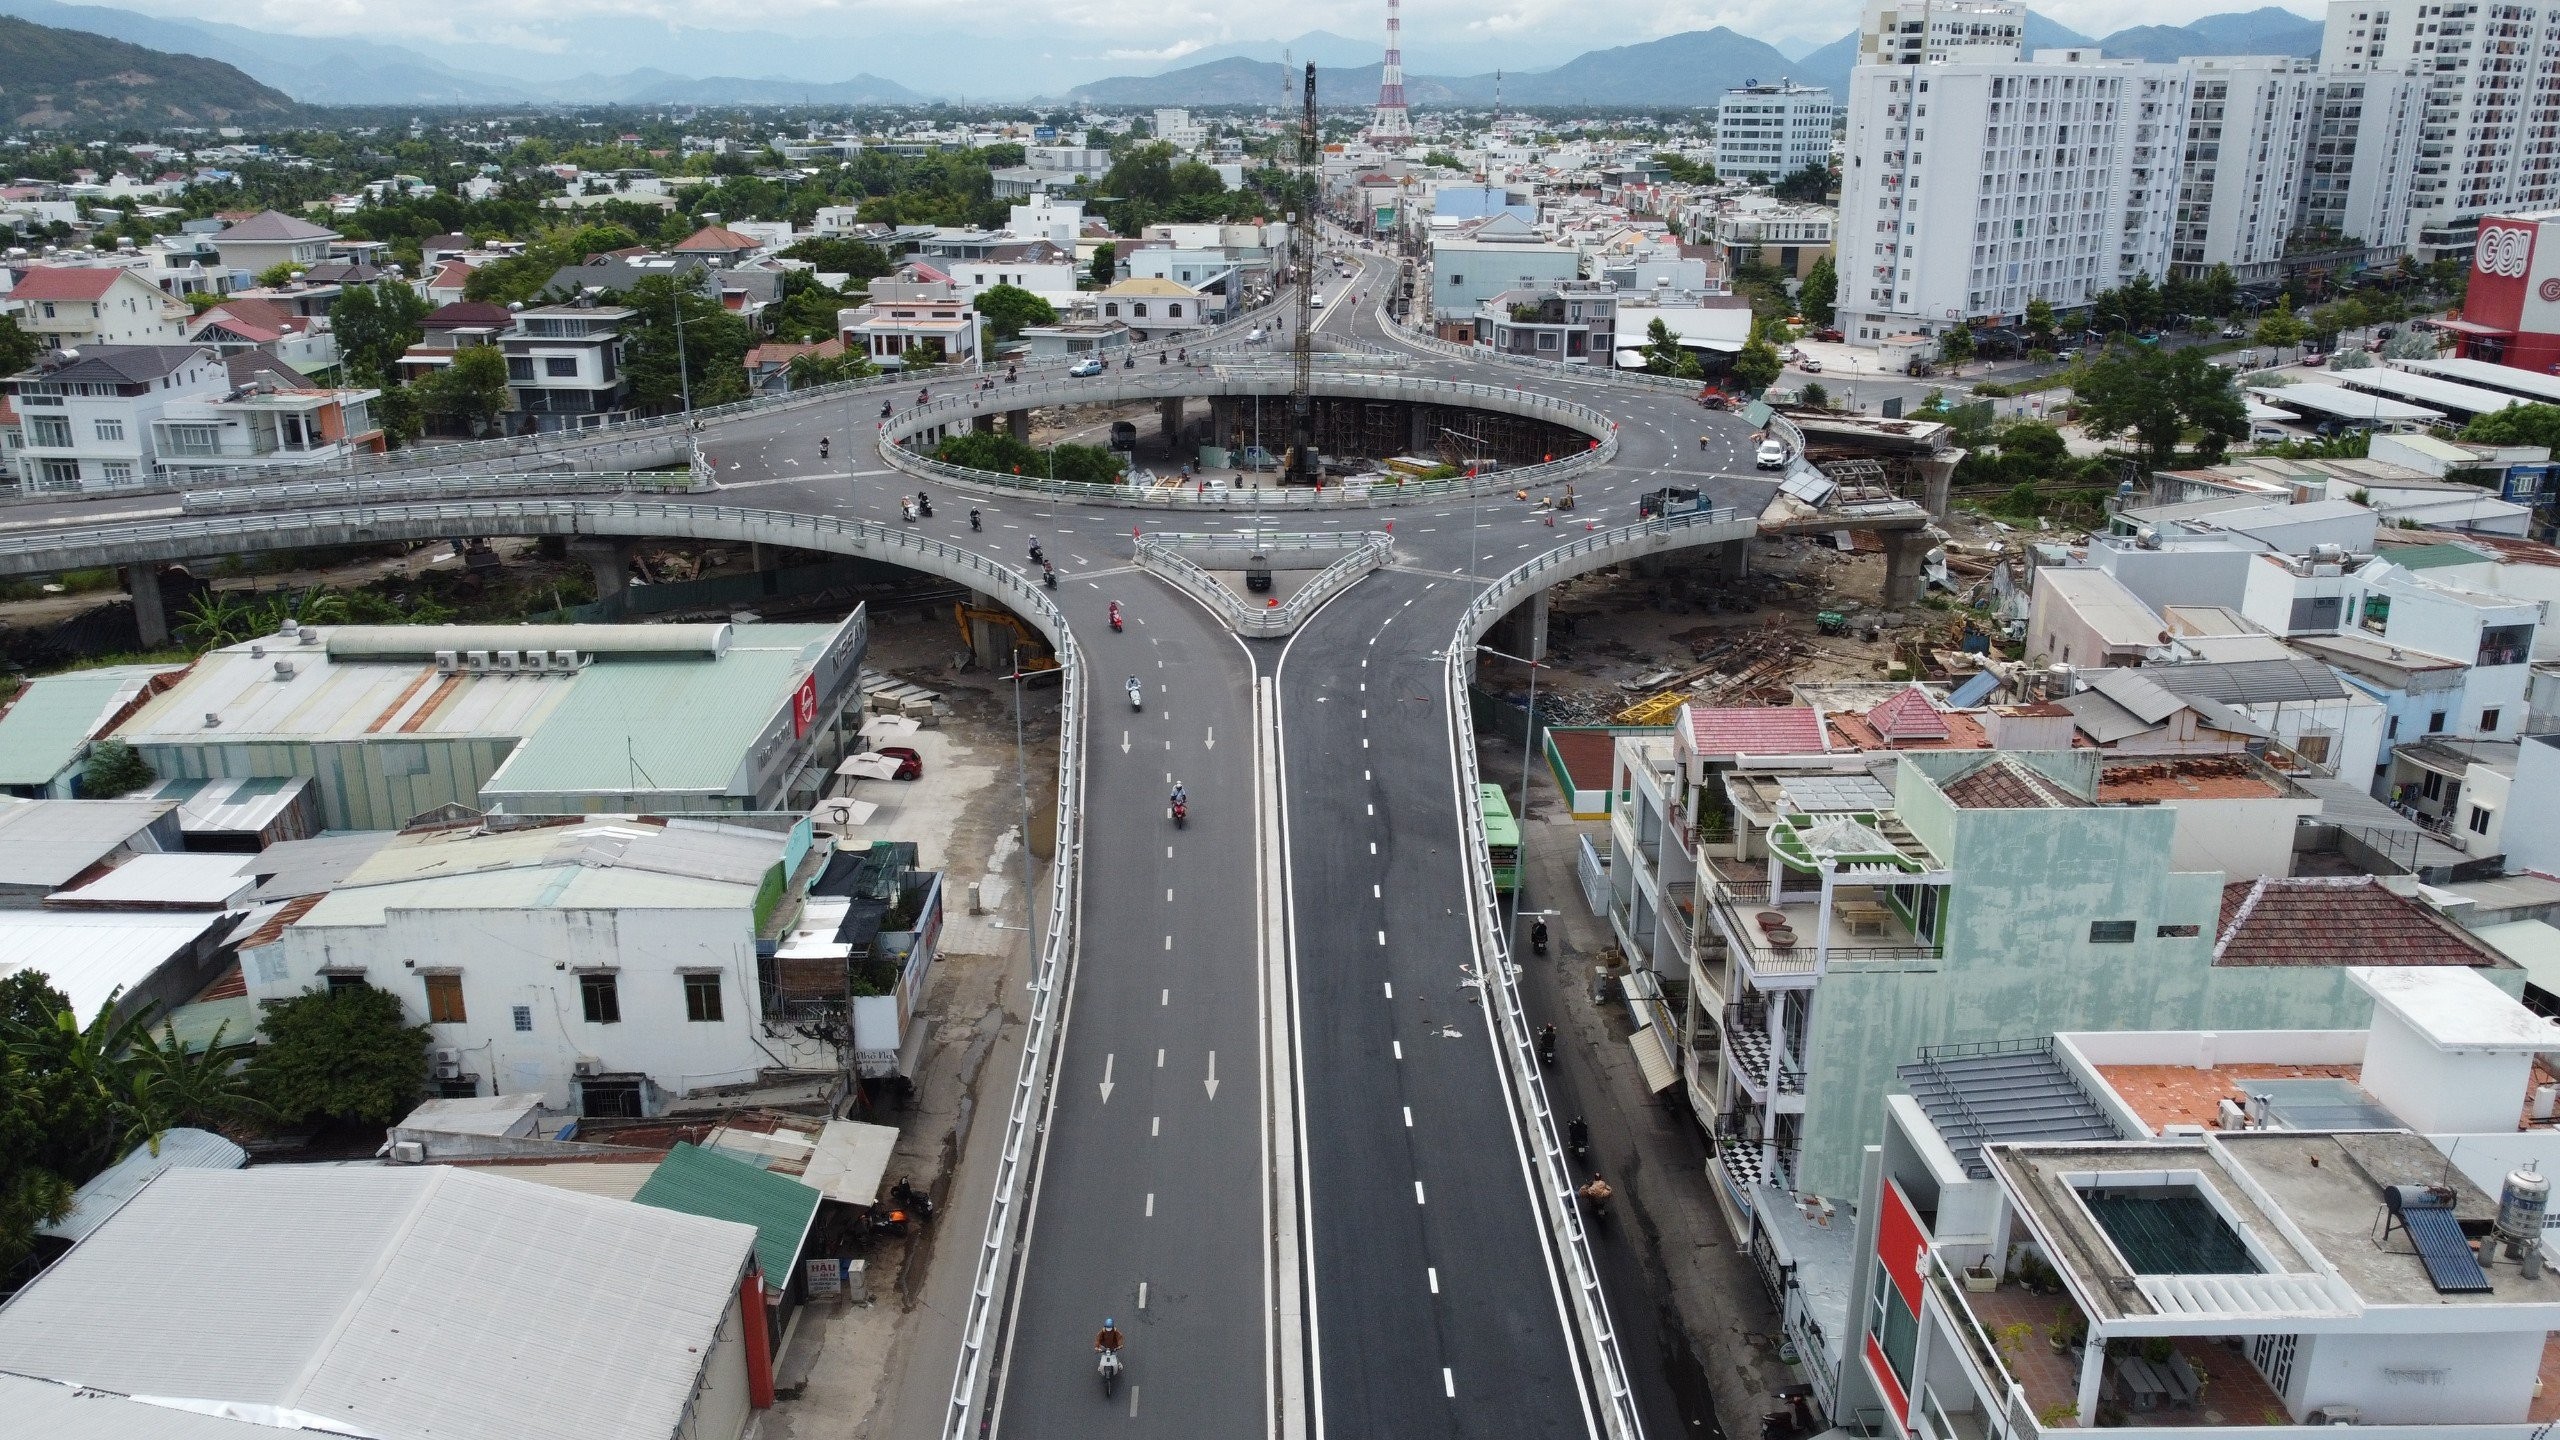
(1971, 188)
(2488, 71)
(2249, 127)
(2363, 158)
(1769, 132)
(1928, 32)
(88, 420)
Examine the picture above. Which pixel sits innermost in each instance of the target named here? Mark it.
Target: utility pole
(1302, 404)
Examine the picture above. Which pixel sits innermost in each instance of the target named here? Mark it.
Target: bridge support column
(150, 613)
(1419, 437)
(1523, 632)
(990, 644)
(983, 424)
(1935, 477)
(1169, 419)
(610, 560)
(1905, 551)
(1733, 560)
(1018, 424)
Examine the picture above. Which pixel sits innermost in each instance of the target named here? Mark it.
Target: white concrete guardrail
(1566, 1230)
(1052, 968)
(386, 489)
(1600, 431)
(1164, 555)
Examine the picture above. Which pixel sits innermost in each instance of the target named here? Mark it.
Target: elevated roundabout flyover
(1291, 1133)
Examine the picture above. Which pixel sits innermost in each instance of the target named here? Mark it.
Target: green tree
(2517, 425)
(35, 1111)
(1955, 346)
(1817, 298)
(467, 396)
(858, 260)
(806, 311)
(18, 349)
(1443, 159)
(2279, 329)
(1104, 268)
(1010, 307)
(1810, 186)
(1683, 170)
(1004, 455)
(1757, 367)
(2159, 395)
(1663, 354)
(280, 273)
(339, 1054)
(2040, 323)
(114, 769)
(207, 1089)
(714, 350)
(374, 324)
(811, 369)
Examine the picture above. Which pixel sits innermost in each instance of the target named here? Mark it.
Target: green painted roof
(42, 733)
(676, 725)
(694, 1181)
(2432, 557)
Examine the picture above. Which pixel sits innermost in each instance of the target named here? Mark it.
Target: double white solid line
(1288, 1304)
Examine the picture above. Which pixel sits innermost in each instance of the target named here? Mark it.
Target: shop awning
(1653, 1057)
(2469, 327)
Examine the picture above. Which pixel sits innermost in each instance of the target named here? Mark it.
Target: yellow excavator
(1028, 643)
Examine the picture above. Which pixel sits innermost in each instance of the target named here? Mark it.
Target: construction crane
(1304, 468)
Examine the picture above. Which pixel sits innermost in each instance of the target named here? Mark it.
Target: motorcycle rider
(974, 522)
(822, 447)
(1577, 1135)
(1180, 796)
(1109, 1341)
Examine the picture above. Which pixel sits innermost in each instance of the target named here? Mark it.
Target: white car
(1088, 366)
(1809, 365)
(1772, 455)
(1315, 302)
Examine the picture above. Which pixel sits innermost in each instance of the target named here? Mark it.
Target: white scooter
(1137, 695)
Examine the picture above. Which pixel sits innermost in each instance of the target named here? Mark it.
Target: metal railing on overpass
(1163, 555)
(1598, 428)
(1572, 1239)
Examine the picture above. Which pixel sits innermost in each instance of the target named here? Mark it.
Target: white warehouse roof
(424, 1303)
(2341, 403)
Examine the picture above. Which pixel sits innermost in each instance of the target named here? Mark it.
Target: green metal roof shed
(694, 1181)
(47, 731)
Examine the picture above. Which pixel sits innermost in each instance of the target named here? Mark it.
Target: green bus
(1501, 837)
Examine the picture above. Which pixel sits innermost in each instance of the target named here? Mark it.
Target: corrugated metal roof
(2250, 682)
(310, 867)
(598, 864)
(2103, 604)
(89, 955)
(608, 1179)
(426, 1303)
(42, 734)
(701, 1182)
(202, 881)
(236, 803)
(339, 699)
(109, 1189)
(46, 842)
(657, 726)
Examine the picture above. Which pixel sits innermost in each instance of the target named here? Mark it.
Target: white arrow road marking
(1209, 738)
(1213, 1074)
(1124, 742)
(1106, 1078)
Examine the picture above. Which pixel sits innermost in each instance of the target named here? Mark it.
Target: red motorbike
(1115, 616)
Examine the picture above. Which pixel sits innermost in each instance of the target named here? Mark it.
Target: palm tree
(215, 618)
(94, 1065)
(174, 1086)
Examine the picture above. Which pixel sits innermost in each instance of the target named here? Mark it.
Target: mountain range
(1691, 68)
(54, 77)
(633, 60)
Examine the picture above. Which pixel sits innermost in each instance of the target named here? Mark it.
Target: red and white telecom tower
(1392, 126)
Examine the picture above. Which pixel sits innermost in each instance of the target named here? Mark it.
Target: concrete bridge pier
(1018, 424)
(983, 424)
(1523, 632)
(1169, 419)
(1905, 551)
(1936, 476)
(1732, 562)
(991, 644)
(150, 612)
(610, 561)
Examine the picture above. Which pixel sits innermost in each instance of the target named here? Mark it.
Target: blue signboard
(2526, 484)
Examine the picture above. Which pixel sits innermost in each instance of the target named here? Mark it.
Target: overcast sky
(1141, 35)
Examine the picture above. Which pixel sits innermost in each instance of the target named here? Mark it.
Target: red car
(910, 764)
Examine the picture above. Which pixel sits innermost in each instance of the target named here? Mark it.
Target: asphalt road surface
(1434, 1307)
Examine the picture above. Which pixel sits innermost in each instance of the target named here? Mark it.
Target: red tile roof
(718, 237)
(1754, 730)
(1908, 716)
(2351, 920)
(2008, 784)
(467, 314)
(65, 282)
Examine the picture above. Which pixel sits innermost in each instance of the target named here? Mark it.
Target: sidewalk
(1698, 1331)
